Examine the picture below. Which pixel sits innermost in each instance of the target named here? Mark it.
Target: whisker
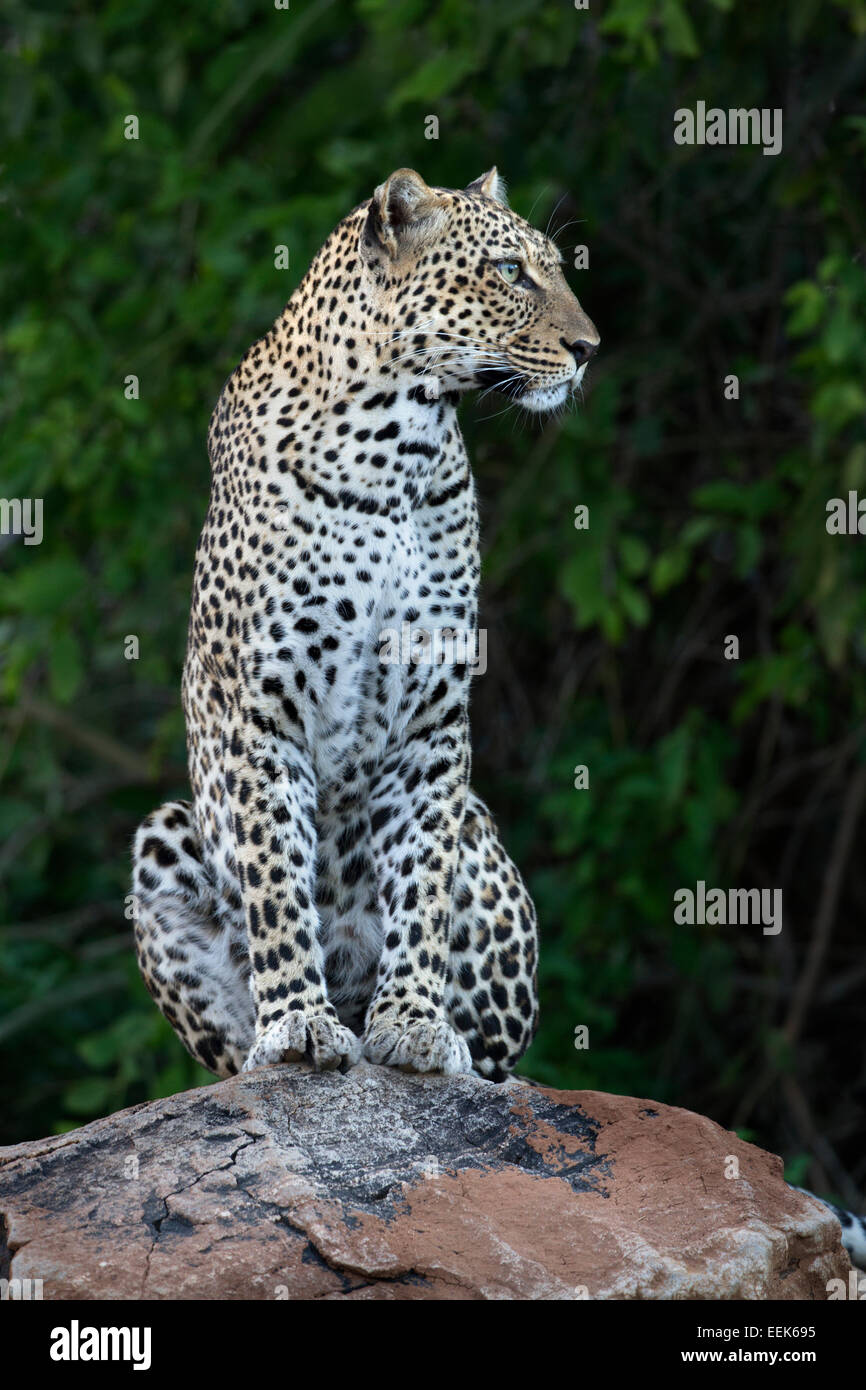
(553, 214)
(574, 221)
(538, 199)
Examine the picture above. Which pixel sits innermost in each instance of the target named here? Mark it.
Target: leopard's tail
(853, 1230)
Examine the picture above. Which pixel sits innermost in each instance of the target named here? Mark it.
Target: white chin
(544, 397)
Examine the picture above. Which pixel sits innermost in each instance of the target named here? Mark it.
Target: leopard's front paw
(302, 1037)
(422, 1046)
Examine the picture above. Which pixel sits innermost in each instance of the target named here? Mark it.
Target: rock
(285, 1183)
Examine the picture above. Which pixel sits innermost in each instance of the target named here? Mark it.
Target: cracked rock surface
(285, 1183)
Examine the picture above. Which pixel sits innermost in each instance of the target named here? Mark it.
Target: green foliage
(155, 258)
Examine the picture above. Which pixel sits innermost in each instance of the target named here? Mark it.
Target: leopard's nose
(581, 350)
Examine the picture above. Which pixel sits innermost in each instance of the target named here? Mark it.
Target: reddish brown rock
(288, 1184)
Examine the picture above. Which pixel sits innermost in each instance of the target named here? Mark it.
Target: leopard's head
(468, 294)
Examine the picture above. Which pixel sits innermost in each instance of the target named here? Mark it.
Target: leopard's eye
(510, 271)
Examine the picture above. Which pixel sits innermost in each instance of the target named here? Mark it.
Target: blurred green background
(155, 257)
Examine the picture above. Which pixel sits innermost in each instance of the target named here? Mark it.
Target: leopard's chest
(415, 625)
(341, 569)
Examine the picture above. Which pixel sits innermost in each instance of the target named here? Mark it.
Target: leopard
(335, 889)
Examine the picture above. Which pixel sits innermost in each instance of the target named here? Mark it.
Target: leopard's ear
(401, 209)
(490, 185)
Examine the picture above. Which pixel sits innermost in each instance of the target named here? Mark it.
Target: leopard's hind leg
(491, 993)
(191, 942)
